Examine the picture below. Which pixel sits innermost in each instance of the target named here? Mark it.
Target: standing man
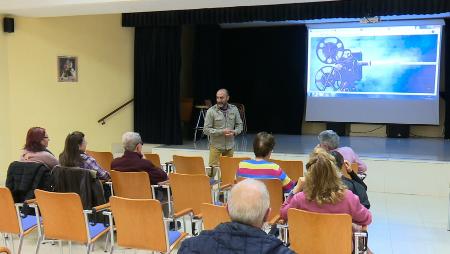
(222, 123)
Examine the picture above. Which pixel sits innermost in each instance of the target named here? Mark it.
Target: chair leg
(20, 244)
(111, 250)
(11, 240)
(60, 247)
(70, 247)
(41, 237)
(106, 241)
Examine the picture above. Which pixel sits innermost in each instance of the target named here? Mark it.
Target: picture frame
(67, 69)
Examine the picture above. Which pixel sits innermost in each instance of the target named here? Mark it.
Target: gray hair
(329, 139)
(130, 140)
(248, 202)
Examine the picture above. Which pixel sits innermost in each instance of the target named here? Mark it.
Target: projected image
(367, 63)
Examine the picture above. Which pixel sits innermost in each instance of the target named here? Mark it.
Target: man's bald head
(249, 202)
(222, 97)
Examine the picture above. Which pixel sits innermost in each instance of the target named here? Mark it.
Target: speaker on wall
(397, 130)
(8, 25)
(342, 129)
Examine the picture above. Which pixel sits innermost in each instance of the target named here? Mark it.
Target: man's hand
(228, 132)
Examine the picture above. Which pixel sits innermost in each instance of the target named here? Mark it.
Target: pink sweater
(42, 157)
(349, 205)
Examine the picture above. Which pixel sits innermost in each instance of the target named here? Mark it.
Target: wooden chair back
(319, 233)
(153, 158)
(213, 215)
(191, 165)
(134, 185)
(9, 223)
(139, 223)
(190, 191)
(294, 168)
(4, 250)
(229, 167)
(103, 159)
(62, 216)
(275, 188)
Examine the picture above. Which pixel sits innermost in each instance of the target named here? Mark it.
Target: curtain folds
(157, 63)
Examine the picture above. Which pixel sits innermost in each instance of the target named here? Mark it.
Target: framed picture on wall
(67, 69)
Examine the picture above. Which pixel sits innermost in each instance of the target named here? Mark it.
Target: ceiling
(53, 8)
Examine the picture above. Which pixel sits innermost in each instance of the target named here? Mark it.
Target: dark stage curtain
(281, 12)
(264, 68)
(206, 66)
(157, 63)
(446, 68)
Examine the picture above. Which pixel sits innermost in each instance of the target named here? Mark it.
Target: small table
(201, 115)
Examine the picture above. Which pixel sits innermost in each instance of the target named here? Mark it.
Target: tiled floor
(402, 224)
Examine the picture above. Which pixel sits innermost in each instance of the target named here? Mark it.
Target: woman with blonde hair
(324, 192)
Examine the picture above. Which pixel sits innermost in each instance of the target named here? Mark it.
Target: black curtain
(282, 12)
(446, 67)
(206, 66)
(157, 63)
(264, 68)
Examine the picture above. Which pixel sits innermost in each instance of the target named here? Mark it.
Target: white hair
(248, 202)
(329, 138)
(130, 140)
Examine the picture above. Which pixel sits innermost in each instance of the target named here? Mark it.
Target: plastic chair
(104, 159)
(213, 215)
(188, 193)
(65, 220)
(321, 233)
(294, 168)
(140, 225)
(11, 220)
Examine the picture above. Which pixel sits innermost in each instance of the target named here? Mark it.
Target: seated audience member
(248, 207)
(35, 149)
(260, 167)
(355, 184)
(329, 141)
(133, 161)
(324, 192)
(74, 155)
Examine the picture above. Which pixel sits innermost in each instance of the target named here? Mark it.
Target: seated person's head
(37, 140)
(249, 203)
(328, 140)
(322, 181)
(132, 142)
(74, 145)
(263, 145)
(339, 159)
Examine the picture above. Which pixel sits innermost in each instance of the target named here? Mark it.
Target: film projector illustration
(343, 67)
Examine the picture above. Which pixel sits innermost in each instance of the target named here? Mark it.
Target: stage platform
(407, 166)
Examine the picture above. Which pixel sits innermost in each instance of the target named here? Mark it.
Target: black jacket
(236, 238)
(24, 177)
(78, 180)
(358, 187)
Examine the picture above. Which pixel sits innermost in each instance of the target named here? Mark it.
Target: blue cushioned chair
(12, 221)
(64, 219)
(140, 225)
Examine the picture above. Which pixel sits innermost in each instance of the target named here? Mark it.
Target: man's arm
(208, 127)
(238, 124)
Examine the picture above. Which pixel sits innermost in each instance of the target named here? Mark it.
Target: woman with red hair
(35, 149)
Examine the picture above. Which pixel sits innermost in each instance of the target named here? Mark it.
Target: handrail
(102, 120)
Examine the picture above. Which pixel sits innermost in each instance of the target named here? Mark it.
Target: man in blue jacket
(248, 207)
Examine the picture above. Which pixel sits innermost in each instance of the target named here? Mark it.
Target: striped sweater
(261, 169)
